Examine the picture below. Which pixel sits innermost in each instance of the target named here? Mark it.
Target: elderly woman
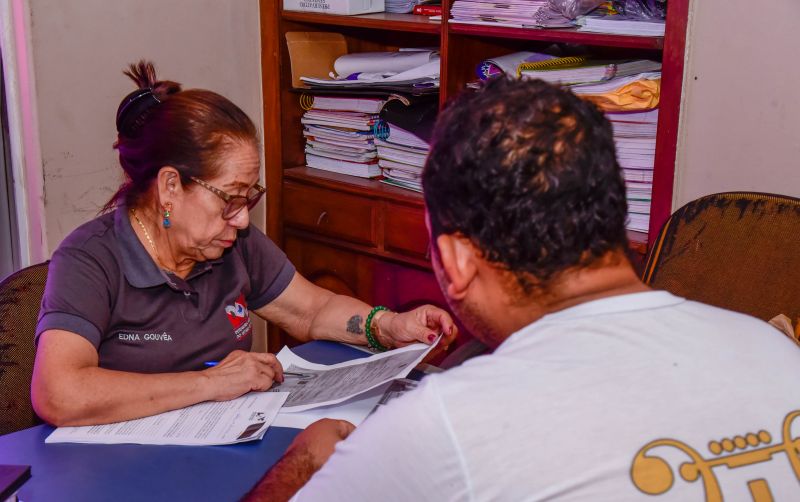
(138, 299)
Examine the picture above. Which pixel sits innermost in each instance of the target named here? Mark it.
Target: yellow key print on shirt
(654, 475)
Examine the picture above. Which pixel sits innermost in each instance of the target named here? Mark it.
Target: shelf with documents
(379, 21)
(372, 233)
(570, 36)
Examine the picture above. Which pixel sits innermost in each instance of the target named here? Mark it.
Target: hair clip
(133, 106)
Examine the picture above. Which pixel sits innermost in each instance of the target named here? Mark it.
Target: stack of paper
(516, 13)
(415, 71)
(635, 138)
(401, 157)
(620, 25)
(340, 137)
(588, 71)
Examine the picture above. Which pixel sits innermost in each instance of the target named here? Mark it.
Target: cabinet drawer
(330, 213)
(405, 231)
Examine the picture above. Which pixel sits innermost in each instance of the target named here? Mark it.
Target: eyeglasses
(234, 203)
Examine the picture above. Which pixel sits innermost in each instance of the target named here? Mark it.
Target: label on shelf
(346, 7)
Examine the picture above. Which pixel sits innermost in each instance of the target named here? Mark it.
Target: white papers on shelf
(393, 62)
(324, 385)
(212, 423)
(336, 103)
(337, 165)
(426, 73)
(619, 25)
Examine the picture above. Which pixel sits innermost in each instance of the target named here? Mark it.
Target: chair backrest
(736, 250)
(20, 299)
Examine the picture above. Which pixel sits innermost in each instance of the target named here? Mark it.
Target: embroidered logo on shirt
(239, 317)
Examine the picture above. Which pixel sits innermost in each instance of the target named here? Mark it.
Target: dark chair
(20, 298)
(736, 250)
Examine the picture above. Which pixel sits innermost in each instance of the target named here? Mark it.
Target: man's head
(525, 174)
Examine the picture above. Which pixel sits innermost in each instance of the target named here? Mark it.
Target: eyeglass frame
(250, 202)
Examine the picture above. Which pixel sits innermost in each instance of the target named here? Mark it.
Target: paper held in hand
(323, 385)
(211, 423)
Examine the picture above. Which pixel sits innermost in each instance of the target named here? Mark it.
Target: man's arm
(404, 451)
(307, 453)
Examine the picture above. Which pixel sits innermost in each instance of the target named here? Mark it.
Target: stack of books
(578, 70)
(621, 25)
(635, 138)
(517, 13)
(401, 157)
(340, 134)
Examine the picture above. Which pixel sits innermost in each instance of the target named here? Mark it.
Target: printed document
(321, 385)
(211, 423)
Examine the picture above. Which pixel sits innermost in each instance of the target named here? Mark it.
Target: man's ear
(458, 257)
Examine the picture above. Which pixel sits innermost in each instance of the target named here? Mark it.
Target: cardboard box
(346, 7)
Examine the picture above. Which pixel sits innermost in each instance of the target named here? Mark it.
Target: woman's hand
(423, 324)
(240, 372)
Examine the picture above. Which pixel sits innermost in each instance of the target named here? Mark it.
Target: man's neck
(611, 275)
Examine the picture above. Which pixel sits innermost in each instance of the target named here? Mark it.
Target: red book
(427, 10)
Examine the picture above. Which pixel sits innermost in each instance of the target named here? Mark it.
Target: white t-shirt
(561, 409)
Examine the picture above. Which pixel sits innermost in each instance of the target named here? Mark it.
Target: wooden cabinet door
(373, 280)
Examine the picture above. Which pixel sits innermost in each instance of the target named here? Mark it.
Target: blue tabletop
(83, 472)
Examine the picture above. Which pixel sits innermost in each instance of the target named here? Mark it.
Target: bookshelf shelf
(367, 239)
(571, 36)
(379, 21)
(350, 184)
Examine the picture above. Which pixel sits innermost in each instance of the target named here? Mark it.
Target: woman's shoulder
(95, 234)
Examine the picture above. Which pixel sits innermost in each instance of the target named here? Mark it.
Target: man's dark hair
(528, 172)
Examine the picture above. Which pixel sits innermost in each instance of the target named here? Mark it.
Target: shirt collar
(139, 268)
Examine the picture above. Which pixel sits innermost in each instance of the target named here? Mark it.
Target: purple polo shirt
(103, 285)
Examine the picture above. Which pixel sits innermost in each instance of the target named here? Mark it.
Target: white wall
(80, 48)
(740, 123)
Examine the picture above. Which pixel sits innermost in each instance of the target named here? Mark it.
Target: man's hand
(308, 452)
(240, 372)
(423, 324)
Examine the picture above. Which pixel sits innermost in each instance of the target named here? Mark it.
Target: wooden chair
(20, 299)
(736, 250)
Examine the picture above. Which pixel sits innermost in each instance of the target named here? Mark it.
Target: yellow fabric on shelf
(639, 95)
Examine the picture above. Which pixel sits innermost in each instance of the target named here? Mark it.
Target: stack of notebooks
(635, 138)
(401, 157)
(515, 13)
(621, 25)
(339, 134)
(581, 70)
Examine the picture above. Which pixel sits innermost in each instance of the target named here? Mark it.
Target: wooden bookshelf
(366, 238)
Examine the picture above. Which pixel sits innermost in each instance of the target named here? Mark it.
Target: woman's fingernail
(431, 338)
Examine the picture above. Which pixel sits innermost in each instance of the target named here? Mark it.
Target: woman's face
(197, 224)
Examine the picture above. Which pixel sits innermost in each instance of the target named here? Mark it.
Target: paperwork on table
(322, 385)
(211, 423)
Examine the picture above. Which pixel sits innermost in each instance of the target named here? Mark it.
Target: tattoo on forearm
(354, 325)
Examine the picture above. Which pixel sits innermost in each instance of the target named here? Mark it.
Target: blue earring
(167, 209)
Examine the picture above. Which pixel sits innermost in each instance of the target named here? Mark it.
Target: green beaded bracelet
(372, 341)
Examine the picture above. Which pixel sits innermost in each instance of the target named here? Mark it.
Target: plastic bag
(574, 8)
(641, 9)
